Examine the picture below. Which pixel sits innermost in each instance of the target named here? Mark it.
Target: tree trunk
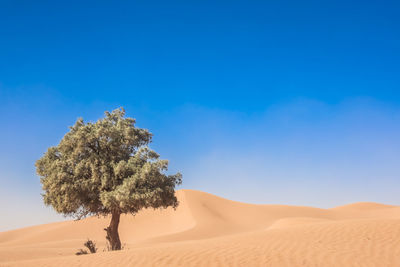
(112, 232)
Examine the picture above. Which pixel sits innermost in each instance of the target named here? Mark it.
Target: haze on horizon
(278, 103)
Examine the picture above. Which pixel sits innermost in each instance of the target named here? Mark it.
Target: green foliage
(105, 167)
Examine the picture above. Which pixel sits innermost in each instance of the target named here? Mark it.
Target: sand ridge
(206, 230)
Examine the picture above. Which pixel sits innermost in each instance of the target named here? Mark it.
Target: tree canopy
(106, 167)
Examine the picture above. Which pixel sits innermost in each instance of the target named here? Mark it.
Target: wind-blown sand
(207, 230)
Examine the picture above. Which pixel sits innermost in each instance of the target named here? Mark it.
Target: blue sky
(289, 102)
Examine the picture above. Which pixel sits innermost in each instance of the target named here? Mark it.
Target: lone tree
(106, 168)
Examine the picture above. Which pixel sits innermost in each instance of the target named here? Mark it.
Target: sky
(273, 102)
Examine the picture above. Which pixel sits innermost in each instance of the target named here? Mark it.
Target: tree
(106, 168)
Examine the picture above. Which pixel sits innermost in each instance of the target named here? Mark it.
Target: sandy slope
(210, 231)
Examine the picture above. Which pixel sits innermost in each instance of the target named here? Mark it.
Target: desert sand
(207, 230)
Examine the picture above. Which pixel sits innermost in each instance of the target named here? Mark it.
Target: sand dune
(207, 230)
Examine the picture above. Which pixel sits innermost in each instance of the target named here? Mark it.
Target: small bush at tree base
(90, 245)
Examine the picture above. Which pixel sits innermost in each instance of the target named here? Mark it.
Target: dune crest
(212, 231)
(365, 206)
